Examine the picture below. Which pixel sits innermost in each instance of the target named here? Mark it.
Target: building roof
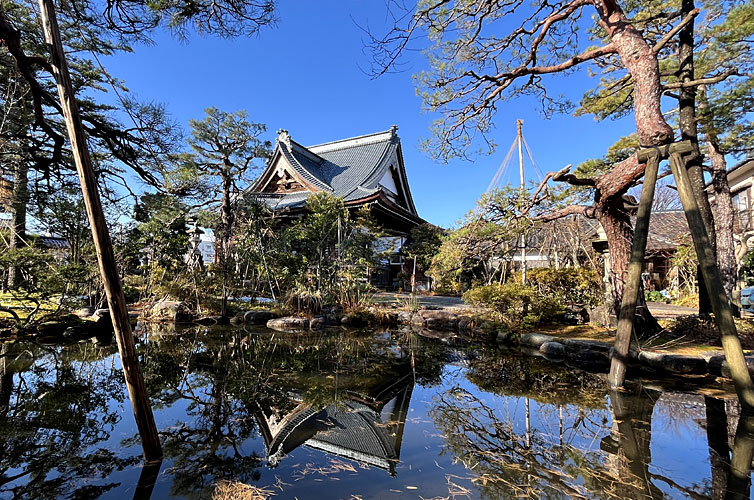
(358, 169)
(667, 229)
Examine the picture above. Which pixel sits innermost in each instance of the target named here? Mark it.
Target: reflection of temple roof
(355, 432)
(364, 429)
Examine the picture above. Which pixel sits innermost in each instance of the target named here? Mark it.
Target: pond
(355, 414)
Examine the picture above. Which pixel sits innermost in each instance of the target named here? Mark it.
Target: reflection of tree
(53, 415)
(231, 377)
(739, 482)
(716, 425)
(513, 374)
(510, 464)
(629, 443)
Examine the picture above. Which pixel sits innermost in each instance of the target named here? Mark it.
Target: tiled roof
(666, 230)
(349, 168)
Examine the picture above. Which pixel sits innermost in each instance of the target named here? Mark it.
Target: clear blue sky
(307, 75)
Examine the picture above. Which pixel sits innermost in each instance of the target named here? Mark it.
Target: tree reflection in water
(56, 412)
(511, 457)
(325, 390)
(232, 404)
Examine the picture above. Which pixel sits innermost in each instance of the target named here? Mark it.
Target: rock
(576, 344)
(258, 317)
(652, 359)
(444, 335)
(409, 318)
(288, 323)
(440, 320)
(505, 337)
(725, 369)
(171, 311)
(318, 322)
(84, 312)
(579, 314)
(589, 359)
(553, 350)
(99, 314)
(466, 323)
(715, 365)
(535, 339)
(207, 320)
(76, 332)
(674, 363)
(56, 328)
(235, 320)
(686, 365)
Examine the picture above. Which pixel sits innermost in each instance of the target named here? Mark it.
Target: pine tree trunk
(616, 222)
(688, 127)
(641, 63)
(18, 223)
(226, 225)
(722, 212)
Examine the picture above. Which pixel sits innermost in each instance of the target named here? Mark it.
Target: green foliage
(571, 285)
(161, 231)
(746, 270)
(685, 262)
(722, 54)
(304, 300)
(336, 247)
(488, 237)
(513, 303)
(424, 244)
(545, 297)
(653, 296)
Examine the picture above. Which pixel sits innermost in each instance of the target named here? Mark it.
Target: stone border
(594, 355)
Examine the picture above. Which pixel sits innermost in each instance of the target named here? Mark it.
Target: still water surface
(354, 415)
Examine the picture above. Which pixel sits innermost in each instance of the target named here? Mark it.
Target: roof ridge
(360, 139)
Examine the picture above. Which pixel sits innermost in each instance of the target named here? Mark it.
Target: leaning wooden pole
(720, 305)
(627, 312)
(150, 440)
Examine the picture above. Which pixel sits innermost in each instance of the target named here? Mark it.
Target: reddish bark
(616, 221)
(641, 62)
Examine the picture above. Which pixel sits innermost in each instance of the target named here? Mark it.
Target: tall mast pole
(150, 440)
(520, 140)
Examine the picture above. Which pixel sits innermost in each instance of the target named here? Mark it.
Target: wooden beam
(627, 313)
(720, 304)
(150, 440)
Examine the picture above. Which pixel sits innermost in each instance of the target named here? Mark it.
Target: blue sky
(307, 75)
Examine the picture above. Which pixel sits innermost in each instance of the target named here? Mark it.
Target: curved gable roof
(349, 168)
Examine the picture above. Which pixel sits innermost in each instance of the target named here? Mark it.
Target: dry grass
(581, 332)
(333, 467)
(235, 490)
(695, 331)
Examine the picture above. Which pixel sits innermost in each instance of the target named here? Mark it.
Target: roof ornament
(394, 131)
(284, 137)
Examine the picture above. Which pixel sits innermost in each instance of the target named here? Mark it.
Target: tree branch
(585, 210)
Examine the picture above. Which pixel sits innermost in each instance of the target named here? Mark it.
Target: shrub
(546, 296)
(653, 296)
(518, 306)
(571, 285)
(304, 300)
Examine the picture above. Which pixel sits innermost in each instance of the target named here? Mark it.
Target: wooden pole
(520, 139)
(633, 279)
(720, 305)
(150, 440)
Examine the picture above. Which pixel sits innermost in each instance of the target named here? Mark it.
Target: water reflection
(253, 406)
(58, 403)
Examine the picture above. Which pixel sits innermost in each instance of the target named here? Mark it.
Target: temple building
(367, 170)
